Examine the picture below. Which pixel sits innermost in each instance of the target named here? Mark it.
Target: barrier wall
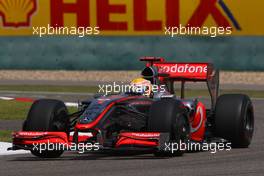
(108, 53)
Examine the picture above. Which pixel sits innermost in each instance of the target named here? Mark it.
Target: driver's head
(141, 85)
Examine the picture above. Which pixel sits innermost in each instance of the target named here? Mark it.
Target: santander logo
(184, 68)
(17, 13)
(32, 133)
(145, 134)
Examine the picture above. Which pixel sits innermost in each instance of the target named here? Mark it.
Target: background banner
(131, 17)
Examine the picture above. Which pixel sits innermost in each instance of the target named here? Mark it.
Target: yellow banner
(130, 17)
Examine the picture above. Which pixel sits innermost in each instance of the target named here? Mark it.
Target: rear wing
(170, 72)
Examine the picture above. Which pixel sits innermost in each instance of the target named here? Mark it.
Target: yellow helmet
(141, 85)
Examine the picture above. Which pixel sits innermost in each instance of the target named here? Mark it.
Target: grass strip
(13, 110)
(5, 135)
(50, 88)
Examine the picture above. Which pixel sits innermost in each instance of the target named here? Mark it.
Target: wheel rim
(248, 125)
(185, 131)
(182, 132)
(60, 120)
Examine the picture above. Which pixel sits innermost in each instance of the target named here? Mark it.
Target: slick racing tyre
(168, 116)
(47, 115)
(234, 119)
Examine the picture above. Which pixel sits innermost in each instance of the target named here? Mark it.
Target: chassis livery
(132, 121)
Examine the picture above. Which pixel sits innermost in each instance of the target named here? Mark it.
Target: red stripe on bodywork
(124, 141)
(150, 139)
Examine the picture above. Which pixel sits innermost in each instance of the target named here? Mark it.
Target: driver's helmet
(142, 86)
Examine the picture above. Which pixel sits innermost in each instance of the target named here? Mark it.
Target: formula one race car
(130, 120)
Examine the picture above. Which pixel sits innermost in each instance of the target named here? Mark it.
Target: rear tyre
(234, 119)
(47, 115)
(168, 116)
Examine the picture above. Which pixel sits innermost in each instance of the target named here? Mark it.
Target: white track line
(4, 151)
(6, 98)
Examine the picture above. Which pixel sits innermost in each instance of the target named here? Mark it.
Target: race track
(235, 162)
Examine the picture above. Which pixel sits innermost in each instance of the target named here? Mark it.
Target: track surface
(235, 162)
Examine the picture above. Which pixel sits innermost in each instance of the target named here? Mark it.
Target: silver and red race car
(130, 120)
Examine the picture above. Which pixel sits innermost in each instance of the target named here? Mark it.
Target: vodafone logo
(183, 68)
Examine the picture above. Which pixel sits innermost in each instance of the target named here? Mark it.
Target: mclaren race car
(130, 120)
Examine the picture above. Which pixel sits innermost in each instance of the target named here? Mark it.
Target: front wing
(27, 140)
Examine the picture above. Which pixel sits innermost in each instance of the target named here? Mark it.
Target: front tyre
(168, 116)
(234, 119)
(47, 115)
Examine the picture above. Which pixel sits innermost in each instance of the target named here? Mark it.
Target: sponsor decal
(31, 133)
(17, 13)
(145, 134)
(140, 9)
(183, 68)
(87, 134)
(102, 100)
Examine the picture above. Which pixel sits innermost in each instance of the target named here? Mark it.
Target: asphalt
(249, 161)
